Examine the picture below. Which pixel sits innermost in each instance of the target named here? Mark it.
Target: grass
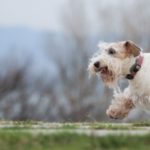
(66, 141)
(25, 136)
(111, 126)
(142, 124)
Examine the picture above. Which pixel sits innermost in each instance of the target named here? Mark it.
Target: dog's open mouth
(104, 70)
(106, 74)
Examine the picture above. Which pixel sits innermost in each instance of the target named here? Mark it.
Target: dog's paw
(114, 112)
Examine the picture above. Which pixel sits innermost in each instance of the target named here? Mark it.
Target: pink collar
(135, 67)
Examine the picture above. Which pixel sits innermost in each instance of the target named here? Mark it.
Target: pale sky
(42, 14)
(36, 14)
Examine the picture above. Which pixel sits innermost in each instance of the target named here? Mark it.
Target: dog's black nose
(97, 64)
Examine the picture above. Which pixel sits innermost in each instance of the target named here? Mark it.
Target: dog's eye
(111, 51)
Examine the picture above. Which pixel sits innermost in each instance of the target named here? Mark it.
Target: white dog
(123, 60)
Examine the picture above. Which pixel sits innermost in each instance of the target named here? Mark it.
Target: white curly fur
(137, 94)
(117, 66)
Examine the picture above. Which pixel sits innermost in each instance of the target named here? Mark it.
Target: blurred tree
(128, 21)
(79, 89)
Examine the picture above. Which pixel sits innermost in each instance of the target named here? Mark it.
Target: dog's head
(114, 60)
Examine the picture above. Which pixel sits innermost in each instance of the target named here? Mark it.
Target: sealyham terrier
(123, 60)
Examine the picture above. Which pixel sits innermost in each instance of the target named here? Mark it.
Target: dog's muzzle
(99, 68)
(105, 73)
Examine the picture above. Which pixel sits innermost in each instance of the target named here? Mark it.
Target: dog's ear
(132, 48)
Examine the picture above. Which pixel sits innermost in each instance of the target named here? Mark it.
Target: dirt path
(88, 132)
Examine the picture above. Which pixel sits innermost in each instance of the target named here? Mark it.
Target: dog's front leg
(121, 105)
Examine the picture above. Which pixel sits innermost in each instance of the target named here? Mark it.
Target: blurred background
(45, 46)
